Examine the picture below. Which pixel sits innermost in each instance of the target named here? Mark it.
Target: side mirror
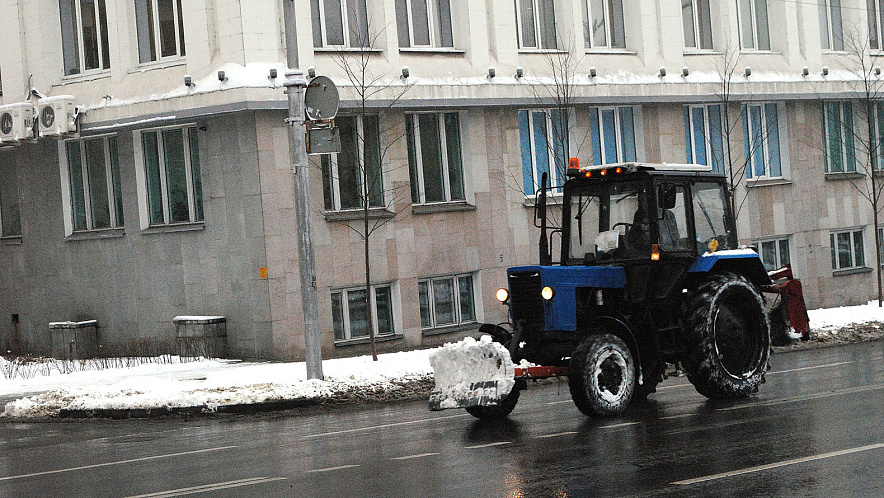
(666, 195)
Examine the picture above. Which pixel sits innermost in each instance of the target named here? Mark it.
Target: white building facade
(177, 199)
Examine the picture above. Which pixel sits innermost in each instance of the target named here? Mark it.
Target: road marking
(119, 462)
(382, 426)
(614, 426)
(329, 469)
(559, 402)
(684, 415)
(674, 387)
(809, 368)
(807, 397)
(784, 463)
(499, 443)
(211, 487)
(556, 434)
(409, 457)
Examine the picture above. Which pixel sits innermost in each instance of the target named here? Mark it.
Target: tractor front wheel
(601, 375)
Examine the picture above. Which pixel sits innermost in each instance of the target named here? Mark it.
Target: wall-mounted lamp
(662, 72)
(273, 73)
(592, 72)
(221, 76)
(825, 71)
(491, 72)
(519, 72)
(877, 71)
(405, 72)
(805, 71)
(685, 71)
(747, 72)
(188, 81)
(311, 72)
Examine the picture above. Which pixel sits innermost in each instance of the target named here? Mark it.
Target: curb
(143, 413)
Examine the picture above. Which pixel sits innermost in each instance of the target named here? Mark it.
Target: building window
(10, 220)
(160, 29)
(350, 315)
(877, 140)
(831, 30)
(754, 31)
(613, 134)
(434, 157)
(774, 253)
(838, 137)
(704, 143)
(93, 178)
(603, 25)
(761, 132)
(875, 23)
(536, 23)
(697, 23)
(172, 175)
(847, 250)
(543, 137)
(446, 301)
(340, 23)
(343, 173)
(881, 246)
(424, 23)
(84, 36)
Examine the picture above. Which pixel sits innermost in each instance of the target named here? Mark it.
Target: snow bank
(831, 319)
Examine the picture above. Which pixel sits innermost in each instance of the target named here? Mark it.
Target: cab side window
(672, 218)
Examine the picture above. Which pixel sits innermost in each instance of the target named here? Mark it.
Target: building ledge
(432, 50)
(358, 214)
(160, 64)
(13, 240)
(79, 78)
(450, 329)
(849, 175)
(346, 49)
(768, 183)
(106, 233)
(366, 340)
(851, 271)
(610, 51)
(182, 227)
(441, 207)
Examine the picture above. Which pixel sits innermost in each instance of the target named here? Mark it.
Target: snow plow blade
(471, 373)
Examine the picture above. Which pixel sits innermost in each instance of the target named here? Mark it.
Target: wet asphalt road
(815, 429)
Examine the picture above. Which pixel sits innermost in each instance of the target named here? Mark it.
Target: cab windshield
(607, 221)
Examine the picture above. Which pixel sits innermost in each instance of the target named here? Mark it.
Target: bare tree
(359, 175)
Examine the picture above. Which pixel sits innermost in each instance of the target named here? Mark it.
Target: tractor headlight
(502, 295)
(547, 293)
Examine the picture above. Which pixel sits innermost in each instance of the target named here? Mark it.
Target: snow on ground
(212, 383)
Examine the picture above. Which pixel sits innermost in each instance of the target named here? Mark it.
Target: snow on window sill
(432, 50)
(366, 340)
(449, 329)
(374, 213)
(767, 182)
(847, 175)
(610, 51)
(835, 52)
(552, 198)
(851, 271)
(159, 64)
(10, 240)
(700, 51)
(178, 227)
(441, 207)
(103, 233)
(94, 74)
(752, 51)
(530, 50)
(336, 49)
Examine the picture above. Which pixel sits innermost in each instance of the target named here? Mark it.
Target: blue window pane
(541, 145)
(745, 113)
(773, 140)
(525, 146)
(560, 140)
(609, 132)
(687, 133)
(832, 119)
(757, 140)
(850, 164)
(716, 143)
(627, 130)
(596, 136)
(699, 135)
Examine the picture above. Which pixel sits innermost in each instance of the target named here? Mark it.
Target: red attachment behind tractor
(789, 289)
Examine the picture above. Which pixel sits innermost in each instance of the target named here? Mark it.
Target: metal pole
(295, 85)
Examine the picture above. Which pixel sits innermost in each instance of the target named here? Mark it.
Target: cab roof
(631, 167)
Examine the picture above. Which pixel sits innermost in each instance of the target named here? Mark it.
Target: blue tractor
(649, 273)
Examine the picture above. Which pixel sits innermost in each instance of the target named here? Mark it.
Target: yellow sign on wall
(263, 273)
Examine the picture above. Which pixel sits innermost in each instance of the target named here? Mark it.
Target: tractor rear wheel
(728, 337)
(601, 375)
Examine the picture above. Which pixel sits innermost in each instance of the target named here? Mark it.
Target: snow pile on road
(458, 365)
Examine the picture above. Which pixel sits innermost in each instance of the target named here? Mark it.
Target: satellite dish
(321, 99)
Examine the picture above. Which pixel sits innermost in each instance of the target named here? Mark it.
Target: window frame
(709, 138)
(597, 131)
(194, 181)
(416, 170)
(345, 310)
(78, 44)
(610, 22)
(875, 25)
(766, 150)
(436, 25)
(540, 26)
(697, 21)
(855, 235)
(755, 22)
(556, 169)
(779, 244)
(847, 143)
(831, 18)
(112, 181)
(332, 180)
(153, 30)
(320, 21)
(456, 304)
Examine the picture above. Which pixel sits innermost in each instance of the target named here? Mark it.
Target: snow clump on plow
(471, 373)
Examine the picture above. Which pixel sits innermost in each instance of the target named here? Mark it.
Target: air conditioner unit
(17, 122)
(57, 116)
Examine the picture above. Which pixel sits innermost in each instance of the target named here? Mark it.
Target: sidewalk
(229, 386)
